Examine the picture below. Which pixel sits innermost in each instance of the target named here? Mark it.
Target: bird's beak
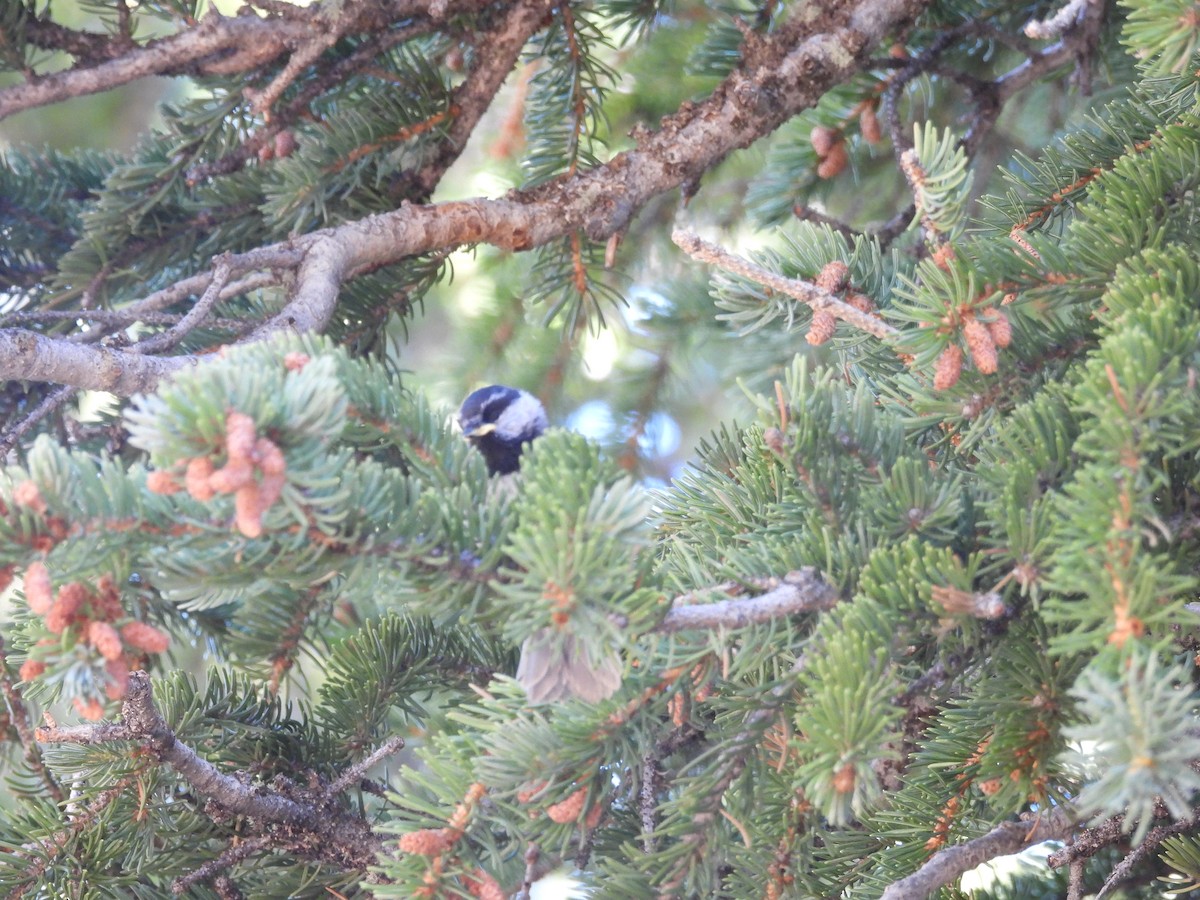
(473, 431)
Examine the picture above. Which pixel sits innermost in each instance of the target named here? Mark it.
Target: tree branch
(781, 75)
(18, 714)
(800, 591)
(804, 291)
(217, 45)
(1009, 837)
(473, 97)
(344, 840)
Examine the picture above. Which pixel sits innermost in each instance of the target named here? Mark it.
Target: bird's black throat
(503, 455)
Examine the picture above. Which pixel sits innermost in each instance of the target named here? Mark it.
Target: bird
(500, 421)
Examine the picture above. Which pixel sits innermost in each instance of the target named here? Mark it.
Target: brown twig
(804, 291)
(1009, 837)
(49, 404)
(194, 316)
(341, 839)
(233, 855)
(18, 714)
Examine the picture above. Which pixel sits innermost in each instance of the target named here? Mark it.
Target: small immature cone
(67, 607)
(483, 886)
(160, 481)
(568, 810)
(27, 494)
(1000, 329)
(833, 277)
(118, 678)
(195, 479)
(981, 345)
(248, 510)
(38, 593)
(294, 360)
(232, 476)
(868, 123)
(555, 666)
(428, 841)
(105, 639)
(824, 139)
(822, 327)
(834, 163)
(861, 302)
(239, 436)
(843, 779)
(144, 636)
(948, 368)
(90, 709)
(31, 669)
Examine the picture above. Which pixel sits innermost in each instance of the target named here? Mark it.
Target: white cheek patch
(524, 415)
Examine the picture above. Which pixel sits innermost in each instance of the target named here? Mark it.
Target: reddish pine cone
(428, 841)
(569, 809)
(1000, 329)
(981, 345)
(948, 368)
(27, 494)
(160, 481)
(195, 479)
(482, 885)
(833, 277)
(144, 636)
(31, 669)
(239, 436)
(868, 123)
(822, 328)
(824, 139)
(38, 593)
(105, 639)
(834, 163)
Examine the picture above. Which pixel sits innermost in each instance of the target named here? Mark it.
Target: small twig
(49, 404)
(808, 214)
(342, 839)
(649, 801)
(230, 857)
(358, 771)
(194, 316)
(319, 40)
(1058, 24)
(801, 591)
(18, 714)
(804, 291)
(1075, 885)
(1088, 842)
(1009, 837)
(1153, 840)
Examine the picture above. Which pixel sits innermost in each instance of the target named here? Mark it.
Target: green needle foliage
(1000, 496)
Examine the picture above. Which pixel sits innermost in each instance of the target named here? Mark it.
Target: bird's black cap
(500, 420)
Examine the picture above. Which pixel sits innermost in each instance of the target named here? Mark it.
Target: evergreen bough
(929, 602)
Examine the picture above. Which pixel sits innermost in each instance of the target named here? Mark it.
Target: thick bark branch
(216, 45)
(29, 356)
(344, 839)
(1009, 837)
(782, 75)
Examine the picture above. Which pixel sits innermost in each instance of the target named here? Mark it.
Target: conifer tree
(924, 596)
